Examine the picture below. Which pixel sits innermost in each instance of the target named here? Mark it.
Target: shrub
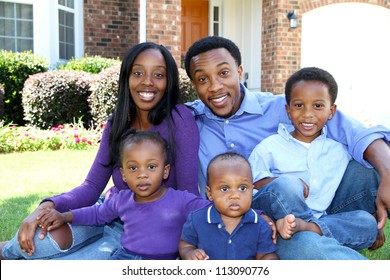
(90, 64)
(188, 92)
(68, 136)
(14, 70)
(104, 91)
(56, 97)
(1, 101)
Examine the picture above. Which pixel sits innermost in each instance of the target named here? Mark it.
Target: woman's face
(148, 79)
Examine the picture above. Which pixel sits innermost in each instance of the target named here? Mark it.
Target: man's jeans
(347, 226)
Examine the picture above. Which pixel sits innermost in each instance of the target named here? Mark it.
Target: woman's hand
(28, 227)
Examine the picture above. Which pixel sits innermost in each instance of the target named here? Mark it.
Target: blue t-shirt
(205, 229)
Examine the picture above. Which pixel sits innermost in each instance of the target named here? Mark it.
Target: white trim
(209, 215)
(212, 4)
(142, 21)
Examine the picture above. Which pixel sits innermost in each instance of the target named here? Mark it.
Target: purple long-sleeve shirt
(183, 174)
(150, 229)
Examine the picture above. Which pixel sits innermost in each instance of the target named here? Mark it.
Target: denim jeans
(357, 191)
(121, 254)
(347, 227)
(89, 243)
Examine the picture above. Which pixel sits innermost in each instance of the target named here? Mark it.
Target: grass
(26, 178)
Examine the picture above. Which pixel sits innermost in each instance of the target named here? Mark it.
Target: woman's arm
(186, 137)
(96, 181)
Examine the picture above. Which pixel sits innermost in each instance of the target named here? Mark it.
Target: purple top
(183, 174)
(151, 229)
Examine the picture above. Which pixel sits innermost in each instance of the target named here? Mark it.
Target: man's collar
(249, 103)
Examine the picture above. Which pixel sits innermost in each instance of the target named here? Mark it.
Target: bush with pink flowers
(68, 136)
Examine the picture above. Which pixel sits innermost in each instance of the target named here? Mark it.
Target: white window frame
(45, 21)
(19, 19)
(212, 21)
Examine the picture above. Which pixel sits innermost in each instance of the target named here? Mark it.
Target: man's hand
(272, 225)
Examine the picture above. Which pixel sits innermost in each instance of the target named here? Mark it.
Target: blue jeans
(89, 243)
(121, 254)
(347, 227)
(356, 191)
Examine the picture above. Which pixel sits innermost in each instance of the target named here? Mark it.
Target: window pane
(216, 13)
(7, 9)
(216, 30)
(8, 28)
(2, 27)
(24, 11)
(24, 29)
(70, 51)
(70, 4)
(7, 44)
(70, 36)
(69, 19)
(66, 3)
(62, 51)
(61, 17)
(24, 45)
(61, 32)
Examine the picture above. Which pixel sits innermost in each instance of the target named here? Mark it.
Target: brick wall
(110, 26)
(164, 24)
(281, 49)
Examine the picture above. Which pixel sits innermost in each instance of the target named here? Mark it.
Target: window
(66, 31)
(16, 27)
(216, 19)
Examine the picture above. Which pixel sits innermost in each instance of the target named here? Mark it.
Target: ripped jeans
(89, 243)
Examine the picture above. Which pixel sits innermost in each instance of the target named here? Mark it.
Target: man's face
(217, 77)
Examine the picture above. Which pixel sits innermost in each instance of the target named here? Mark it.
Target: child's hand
(199, 254)
(305, 189)
(50, 219)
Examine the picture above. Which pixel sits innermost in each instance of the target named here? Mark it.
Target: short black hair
(312, 74)
(226, 156)
(132, 136)
(210, 43)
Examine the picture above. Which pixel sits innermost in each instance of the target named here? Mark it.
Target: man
(231, 118)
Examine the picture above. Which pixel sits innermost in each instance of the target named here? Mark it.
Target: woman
(148, 99)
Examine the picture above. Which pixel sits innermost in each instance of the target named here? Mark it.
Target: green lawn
(26, 178)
